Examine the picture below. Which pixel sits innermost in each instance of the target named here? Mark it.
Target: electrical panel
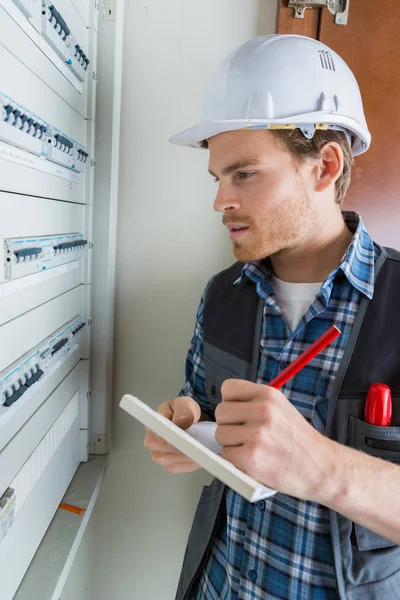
(48, 84)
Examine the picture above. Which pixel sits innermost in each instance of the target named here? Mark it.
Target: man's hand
(184, 412)
(265, 436)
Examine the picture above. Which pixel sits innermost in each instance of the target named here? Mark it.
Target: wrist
(333, 488)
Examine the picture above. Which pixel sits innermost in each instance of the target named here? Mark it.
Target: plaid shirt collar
(358, 262)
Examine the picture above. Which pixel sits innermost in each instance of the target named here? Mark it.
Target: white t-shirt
(294, 299)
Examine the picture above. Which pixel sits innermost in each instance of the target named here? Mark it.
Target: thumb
(184, 421)
(186, 412)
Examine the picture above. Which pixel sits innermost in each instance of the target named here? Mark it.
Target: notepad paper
(204, 433)
(199, 444)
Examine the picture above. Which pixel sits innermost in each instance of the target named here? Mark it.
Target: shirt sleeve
(194, 367)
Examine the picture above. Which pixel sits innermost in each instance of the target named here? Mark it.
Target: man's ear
(329, 166)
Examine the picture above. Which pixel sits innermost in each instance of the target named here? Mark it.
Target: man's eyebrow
(240, 164)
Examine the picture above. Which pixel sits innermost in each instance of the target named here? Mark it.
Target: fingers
(174, 463)
(246, 460)
(155, 443)
(182, 411)
(178, 468)
(239, 390)
(252, 460)
(237, 435)
(167, 458)
(232, 413)
(232, 435)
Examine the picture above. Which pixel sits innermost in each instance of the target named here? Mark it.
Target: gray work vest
(367, 565)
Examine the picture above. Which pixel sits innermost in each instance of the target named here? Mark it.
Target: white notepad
(187, 443)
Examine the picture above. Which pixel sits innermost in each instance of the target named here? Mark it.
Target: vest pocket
(384, 443)
(216, 374)
(220, 365)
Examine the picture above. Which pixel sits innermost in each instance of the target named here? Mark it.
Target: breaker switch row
(59, 345)
(17, 118)
(62, 143)
(70, 246)
(16, 395)
(83, 156)
(27, 254)
(18, 388)
(20, 377)
(81, 57)
(56, 20)
(24, 129)
(58, 23)
(78, 328)
(33, 255)
(35, 376)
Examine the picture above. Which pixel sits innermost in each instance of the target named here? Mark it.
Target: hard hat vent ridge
(326, 59)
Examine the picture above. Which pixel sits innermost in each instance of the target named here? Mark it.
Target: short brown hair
(302, 149)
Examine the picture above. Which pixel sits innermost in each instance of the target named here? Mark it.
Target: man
(283, 119)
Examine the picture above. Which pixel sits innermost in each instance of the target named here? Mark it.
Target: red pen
(316, 347)
(378, 407)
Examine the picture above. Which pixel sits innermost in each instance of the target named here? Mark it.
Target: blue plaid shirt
(281, 548)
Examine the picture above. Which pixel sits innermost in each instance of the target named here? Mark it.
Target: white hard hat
(282, 82)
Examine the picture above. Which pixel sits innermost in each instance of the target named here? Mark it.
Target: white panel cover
(83, 8)
(22, 295)
(33, 469)
(22, 172)
(27, 216)
(20, 335)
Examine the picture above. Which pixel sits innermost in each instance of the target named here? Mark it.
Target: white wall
(169, 243)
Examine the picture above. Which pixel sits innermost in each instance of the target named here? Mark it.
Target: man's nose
(225, 201)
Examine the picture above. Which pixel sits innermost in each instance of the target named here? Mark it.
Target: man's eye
(241, 175)
(216, 179)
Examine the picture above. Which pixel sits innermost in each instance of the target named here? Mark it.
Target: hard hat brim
(194, 136)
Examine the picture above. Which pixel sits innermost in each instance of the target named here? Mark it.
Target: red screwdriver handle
(378, 407)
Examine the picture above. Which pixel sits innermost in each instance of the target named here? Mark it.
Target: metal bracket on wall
(339, 8)
(110, 10)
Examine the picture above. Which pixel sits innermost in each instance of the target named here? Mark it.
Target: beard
(284, 227)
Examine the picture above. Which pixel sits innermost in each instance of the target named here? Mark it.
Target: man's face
(262, 189)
